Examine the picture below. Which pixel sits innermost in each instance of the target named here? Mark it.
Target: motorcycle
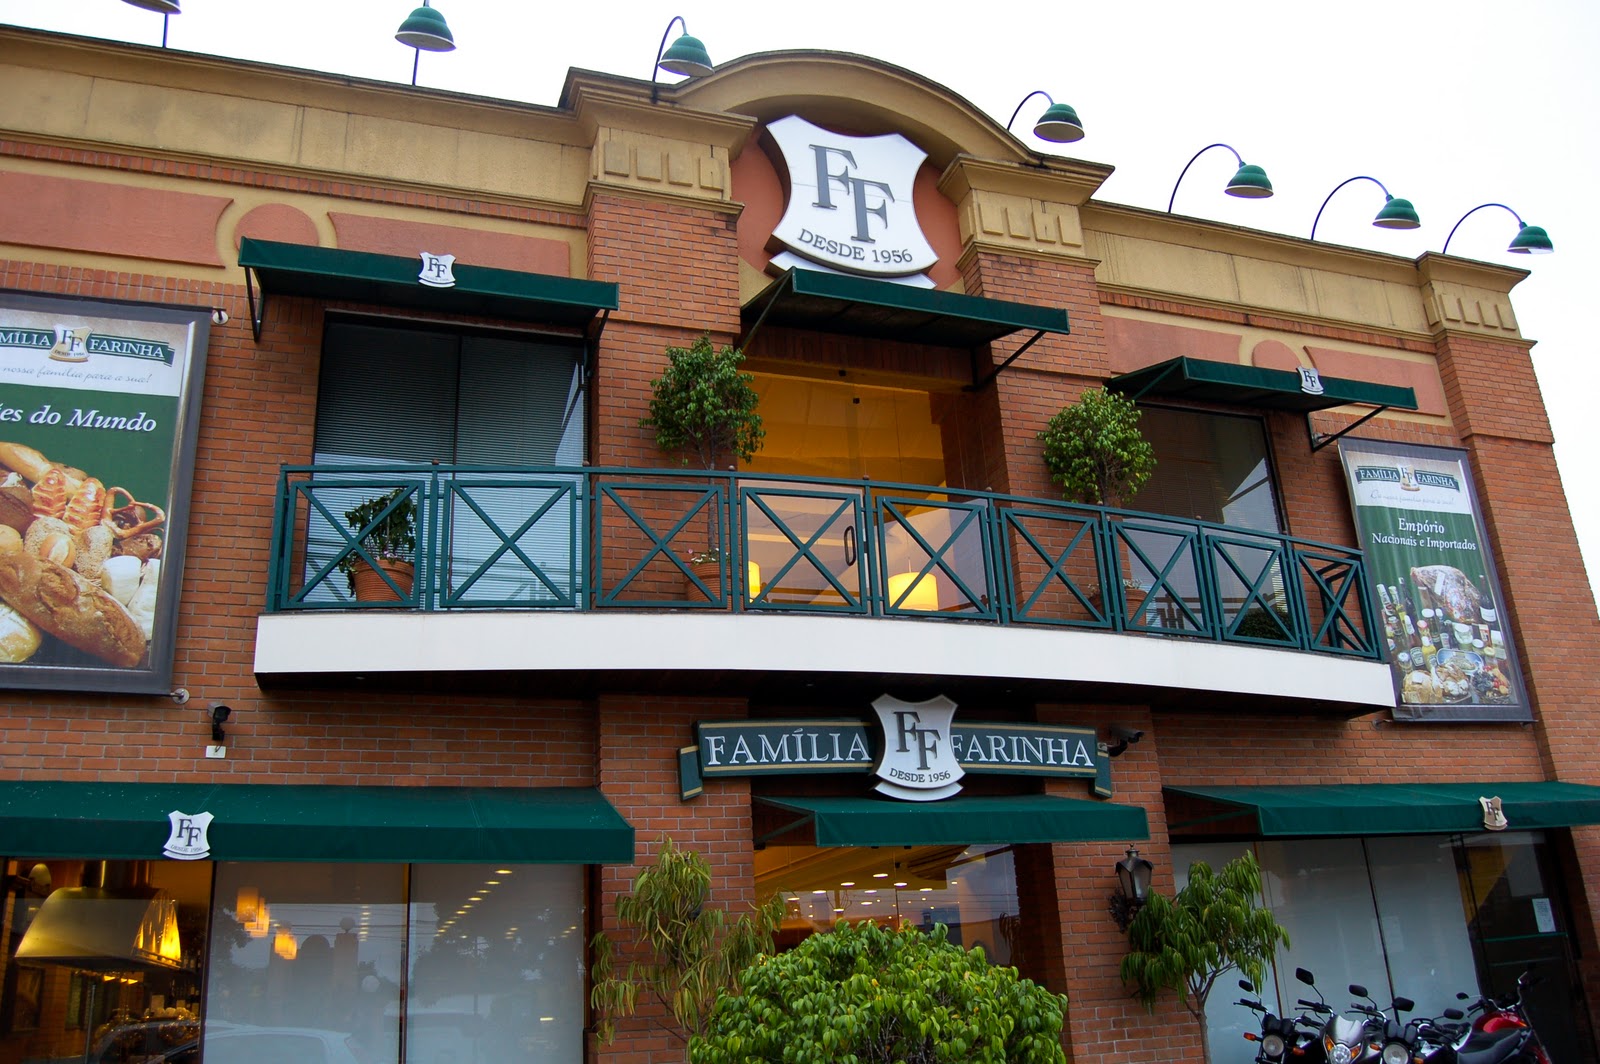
(1395, 1042)
(1279, 1037)
(1501, 1033)
(1372, 1035)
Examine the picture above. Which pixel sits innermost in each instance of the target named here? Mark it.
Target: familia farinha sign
(915, 749)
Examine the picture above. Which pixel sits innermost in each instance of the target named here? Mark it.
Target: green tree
(1208, 928)
(1095, 451)
(872, 996)
(692, 951)
(702, 406)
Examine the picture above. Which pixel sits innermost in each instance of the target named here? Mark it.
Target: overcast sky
(1449, 104)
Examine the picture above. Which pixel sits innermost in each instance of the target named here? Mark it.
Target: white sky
(1449, 103)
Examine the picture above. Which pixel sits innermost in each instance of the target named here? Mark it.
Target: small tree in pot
(1211, 926)
(1095, 451)
(386, 527)
(704, 407)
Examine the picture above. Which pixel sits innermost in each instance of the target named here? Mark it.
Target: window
(1209, 467)
(391, 398)
(971, 890)
(1214, 468)
(1423, 916)
(485, 963)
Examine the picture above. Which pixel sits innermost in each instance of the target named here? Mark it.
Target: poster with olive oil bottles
(1433, 583)
(98, 412)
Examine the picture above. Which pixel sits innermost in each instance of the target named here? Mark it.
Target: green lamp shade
(1059, 124)
(1249, 183)
(687, 56)
(1531, 240)
(1397, 214)
(427, 30)
(166, 7)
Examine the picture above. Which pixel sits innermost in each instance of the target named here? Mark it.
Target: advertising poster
(1433, 582)
(98, 403)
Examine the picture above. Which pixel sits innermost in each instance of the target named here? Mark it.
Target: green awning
(1272, 389)
(1401, 808)
(301, 822)
(963, 820)
(392, 280)
(860, 306)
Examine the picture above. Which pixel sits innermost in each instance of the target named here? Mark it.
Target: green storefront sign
(919, 755)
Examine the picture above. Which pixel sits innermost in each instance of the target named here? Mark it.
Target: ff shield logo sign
(188, 840)
(918, 763)
(850, 203)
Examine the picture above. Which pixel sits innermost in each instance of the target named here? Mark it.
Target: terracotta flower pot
(371, 587)
(710, 574)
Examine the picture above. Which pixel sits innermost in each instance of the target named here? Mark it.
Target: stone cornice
(1065, 181)
(268, 83)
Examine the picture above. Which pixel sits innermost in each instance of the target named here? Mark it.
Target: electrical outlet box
(216, 751)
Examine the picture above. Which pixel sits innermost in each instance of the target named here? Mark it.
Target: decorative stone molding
(655, 149)
(1469, 297)
(1031, 211)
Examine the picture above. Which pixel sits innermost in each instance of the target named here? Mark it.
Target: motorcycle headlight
(1396, 1053)
(1338, 1052)
(1272, 1045)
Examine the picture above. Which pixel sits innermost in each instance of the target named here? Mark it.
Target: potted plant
(1095, 451)
(703, 407)
(387, 529)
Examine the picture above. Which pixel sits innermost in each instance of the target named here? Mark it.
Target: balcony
(577, 574)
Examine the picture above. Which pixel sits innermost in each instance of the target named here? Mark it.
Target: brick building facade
(525, 709)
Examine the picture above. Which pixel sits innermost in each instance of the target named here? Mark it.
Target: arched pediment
(851, 92)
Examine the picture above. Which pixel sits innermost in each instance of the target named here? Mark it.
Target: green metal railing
(635, 539)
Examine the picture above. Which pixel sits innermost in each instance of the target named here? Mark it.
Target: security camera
(1125, 737)
(218, 715)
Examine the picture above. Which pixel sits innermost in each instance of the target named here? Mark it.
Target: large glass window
(1214, 468)
(497, 964)
(131, 962)
(1209, 467)
(391, 396)
(102, 959)
(1423, 916)
(468, 963)
(305, 962)
(971, 890)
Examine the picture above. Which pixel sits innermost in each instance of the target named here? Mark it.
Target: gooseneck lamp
(1396, 213)
(1248, 182)
(426, 31)
(1530, 239)
(1058, 124)
(687, 57)
(166, 7)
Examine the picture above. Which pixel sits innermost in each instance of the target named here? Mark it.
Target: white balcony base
(309, 645)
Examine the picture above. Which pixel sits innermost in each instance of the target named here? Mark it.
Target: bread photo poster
(1439, 613)
(93, 473)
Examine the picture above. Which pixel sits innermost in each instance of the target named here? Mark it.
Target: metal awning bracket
(258, 309)
(784, 285)
(793, 825)
(978, 385)
(1319, 440)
